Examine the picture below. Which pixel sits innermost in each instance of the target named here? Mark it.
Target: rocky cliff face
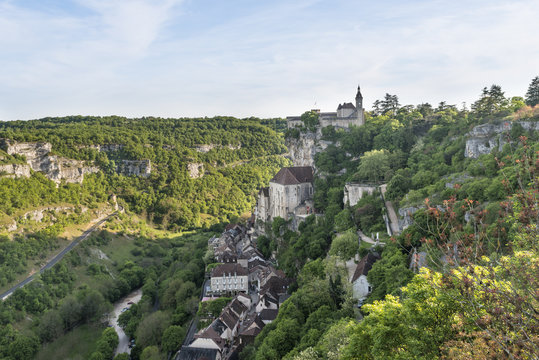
(135, 167)
(105, 147)
(204, 148)
(195, 170)
(484, 138)
(15, 170)
(302, 151)
(54, 167)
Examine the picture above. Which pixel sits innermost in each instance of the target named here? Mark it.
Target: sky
(193, 58)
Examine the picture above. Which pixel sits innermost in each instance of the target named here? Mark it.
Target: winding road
(58, 257)
(123, 339)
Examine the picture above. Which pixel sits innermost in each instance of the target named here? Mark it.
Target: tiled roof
(365, 265)
(294, 175)
(210, 333)
(230, 268)
(229, 318)
(269, 314)
(237, 307)
(193, 353)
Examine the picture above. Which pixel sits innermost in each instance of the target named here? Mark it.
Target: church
(290, 192)
(347, 114)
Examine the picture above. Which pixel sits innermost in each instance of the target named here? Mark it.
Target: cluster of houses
(258, 289)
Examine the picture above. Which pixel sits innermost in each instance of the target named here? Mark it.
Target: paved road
(123, 339)
(58, 257)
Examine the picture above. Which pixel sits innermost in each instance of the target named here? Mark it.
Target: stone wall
(354, 192)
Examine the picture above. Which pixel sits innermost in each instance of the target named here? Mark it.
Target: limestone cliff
(54, 167)
(484, 138)
(196, 170)
(302, 150)
(15, 170)
(135, 167)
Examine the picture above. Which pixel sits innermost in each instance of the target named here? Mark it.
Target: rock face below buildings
(302, 150)
(54, 167)
(484, 138)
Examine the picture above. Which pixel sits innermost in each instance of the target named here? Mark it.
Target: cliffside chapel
(289, 192)
(346, 115)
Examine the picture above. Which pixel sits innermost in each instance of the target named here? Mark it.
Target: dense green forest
(241, 157)
(475, 220)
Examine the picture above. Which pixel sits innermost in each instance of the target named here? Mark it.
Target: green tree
(374, 165)
(122, 356)
(345, 245)
(24, 347)
(310, 119)
(389, 274)
(50, 326)
(150, 353)
(491, 101)
(150, 331)
(172, 338)
(532, 95)
(344, 220)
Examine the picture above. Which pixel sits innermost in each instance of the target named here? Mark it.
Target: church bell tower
(359, 107)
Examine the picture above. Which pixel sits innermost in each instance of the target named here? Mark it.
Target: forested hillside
(473, 217)
(235, 156)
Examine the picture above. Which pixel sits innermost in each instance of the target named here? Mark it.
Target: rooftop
(365, 265)
(230, 268)
(294, 175)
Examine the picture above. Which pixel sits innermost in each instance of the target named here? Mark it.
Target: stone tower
(359, 107)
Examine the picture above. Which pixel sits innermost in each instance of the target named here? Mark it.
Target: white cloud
(136, 58)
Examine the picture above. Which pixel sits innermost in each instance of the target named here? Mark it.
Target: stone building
(347, 114)
(289, 192)
(229, 278)
(360, 285)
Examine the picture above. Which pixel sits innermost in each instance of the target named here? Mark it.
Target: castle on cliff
(346, 115)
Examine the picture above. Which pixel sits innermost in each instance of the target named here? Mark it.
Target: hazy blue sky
(255, 57)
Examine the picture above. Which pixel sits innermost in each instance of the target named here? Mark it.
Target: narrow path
(393, 219)
(58, 257)
(365, 238)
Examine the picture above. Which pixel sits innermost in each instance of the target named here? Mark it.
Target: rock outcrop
(406, 215)
(302, 150)
(204, 148)
(105, 147)
(54, 167)
(15, 170)
(484, 138)
(39, 214)
(135, 168)
(196, 170)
